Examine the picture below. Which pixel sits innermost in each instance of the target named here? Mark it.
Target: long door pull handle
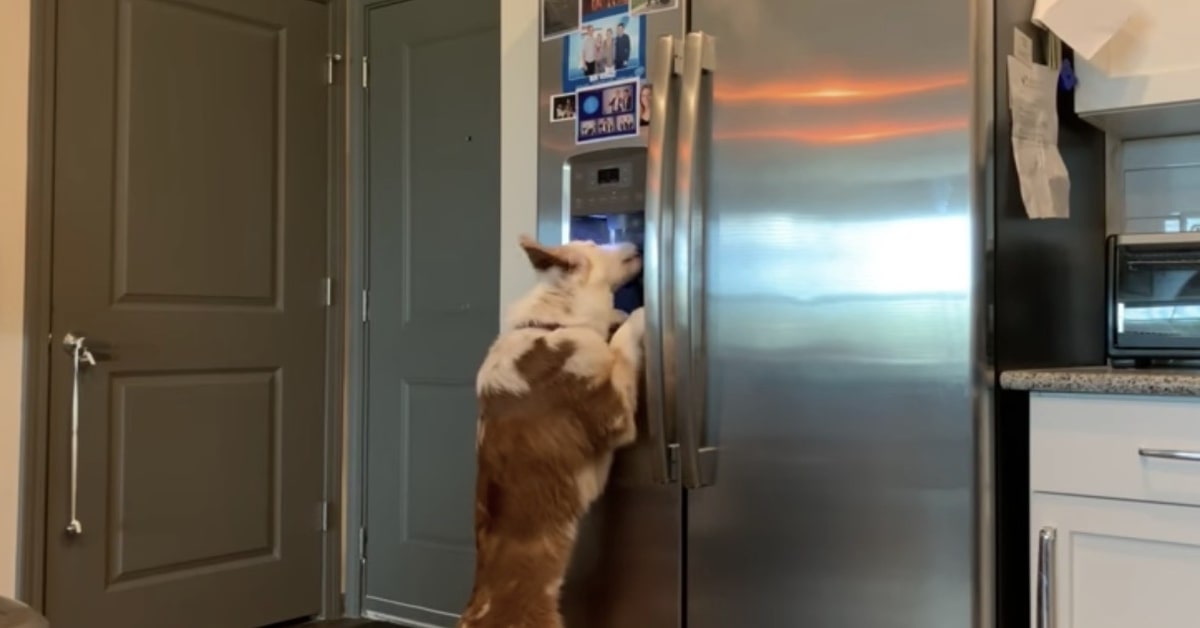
(81, 357)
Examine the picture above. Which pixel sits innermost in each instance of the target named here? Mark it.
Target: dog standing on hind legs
(557, 398)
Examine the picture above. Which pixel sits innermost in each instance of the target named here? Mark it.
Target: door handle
(81, 357)
(1170, 454)
(691, 198)
(1045, 578)
(660, 171)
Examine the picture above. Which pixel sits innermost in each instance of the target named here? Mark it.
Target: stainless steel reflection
(660, 211)
(691, 195)
(841, 244)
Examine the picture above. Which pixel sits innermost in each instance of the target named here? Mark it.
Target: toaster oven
(1153, 298)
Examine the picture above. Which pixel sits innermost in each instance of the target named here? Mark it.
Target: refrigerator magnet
(608, 50)
(562, 107)
(637, 7)
(598, 10)
(560, 18)
(608, 112)
(645, 100)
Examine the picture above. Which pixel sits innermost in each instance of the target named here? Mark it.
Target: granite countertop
(1105, 380)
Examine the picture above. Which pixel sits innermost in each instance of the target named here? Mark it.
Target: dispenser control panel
(607, 181)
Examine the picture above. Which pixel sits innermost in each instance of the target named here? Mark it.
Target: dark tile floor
(335, 623)
(347, 623)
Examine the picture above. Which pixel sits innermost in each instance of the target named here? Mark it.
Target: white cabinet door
(1117, 564)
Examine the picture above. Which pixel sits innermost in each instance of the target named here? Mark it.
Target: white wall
(14, 96)
(519, 39)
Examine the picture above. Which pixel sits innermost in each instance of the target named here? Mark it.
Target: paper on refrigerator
(1045, 183)
(1022, 46)
(1086, 25)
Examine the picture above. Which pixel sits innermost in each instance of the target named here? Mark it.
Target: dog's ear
(544, 258)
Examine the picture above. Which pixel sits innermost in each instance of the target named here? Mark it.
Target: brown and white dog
(557, 398)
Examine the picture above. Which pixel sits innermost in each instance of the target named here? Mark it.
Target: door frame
(31, 537)
(354, 556)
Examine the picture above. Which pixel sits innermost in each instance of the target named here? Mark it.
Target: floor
(351, 623)
(348, 623)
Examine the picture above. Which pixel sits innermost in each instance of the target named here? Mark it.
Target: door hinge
(328, 291)
(331, 59)
(364, 306)
(324, 516)
(362, 545)
(673, 462)
(364, 72)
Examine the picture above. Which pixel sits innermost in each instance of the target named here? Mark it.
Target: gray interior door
(190, 234)
(433, 190)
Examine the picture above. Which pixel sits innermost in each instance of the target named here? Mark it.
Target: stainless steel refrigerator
(837, 266)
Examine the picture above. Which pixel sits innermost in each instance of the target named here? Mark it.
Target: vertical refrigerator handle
(660, 192)
(698, 462)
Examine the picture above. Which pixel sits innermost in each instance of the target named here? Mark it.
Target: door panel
(433, 192)
(625, 570)
(838, 319)
(231, 204)
(190, 230)
(1115, 563)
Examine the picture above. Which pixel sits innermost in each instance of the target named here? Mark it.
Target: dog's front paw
(615, 320)
(628, 338)
(636, 323)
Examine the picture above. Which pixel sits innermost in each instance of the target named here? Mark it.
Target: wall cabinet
(1146, 81)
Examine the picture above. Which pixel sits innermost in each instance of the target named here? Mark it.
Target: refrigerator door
(627, 566)
(556, 139)
(839, 246)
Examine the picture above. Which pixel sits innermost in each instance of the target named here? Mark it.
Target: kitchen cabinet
(1115, 510)
(1146, 81)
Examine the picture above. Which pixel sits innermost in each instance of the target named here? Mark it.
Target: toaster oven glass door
(1157, 297)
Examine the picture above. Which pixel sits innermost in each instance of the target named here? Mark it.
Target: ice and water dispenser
(604, 198)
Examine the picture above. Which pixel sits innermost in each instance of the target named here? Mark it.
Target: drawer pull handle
(1170, 454)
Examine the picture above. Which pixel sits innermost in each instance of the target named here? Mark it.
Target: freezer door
(627, 567)
(833, 459)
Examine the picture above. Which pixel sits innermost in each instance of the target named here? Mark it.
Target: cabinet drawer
(1091, 445)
